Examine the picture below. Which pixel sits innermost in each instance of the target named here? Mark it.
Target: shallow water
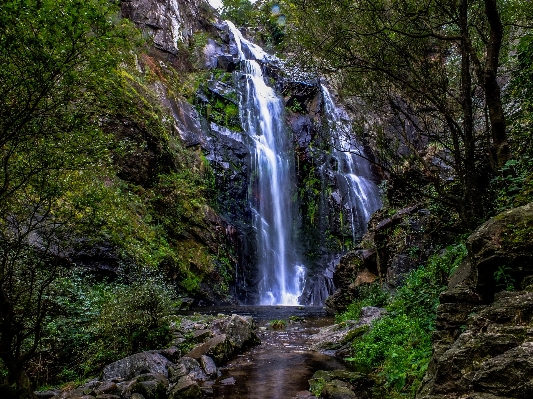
(281, 366)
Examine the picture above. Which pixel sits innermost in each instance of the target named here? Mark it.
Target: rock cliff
(483, 344)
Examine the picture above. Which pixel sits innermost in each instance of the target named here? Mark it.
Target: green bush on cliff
(398, 347)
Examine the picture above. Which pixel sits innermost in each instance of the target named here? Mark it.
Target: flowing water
(262, 116)
(280, 367)
(360, 195)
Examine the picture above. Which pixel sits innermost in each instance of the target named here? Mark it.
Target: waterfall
(360, 195)
(262, 117)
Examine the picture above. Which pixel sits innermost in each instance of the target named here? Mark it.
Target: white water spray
(283, 278)
(354, 176)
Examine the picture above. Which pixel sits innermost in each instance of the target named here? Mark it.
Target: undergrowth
(397, 349)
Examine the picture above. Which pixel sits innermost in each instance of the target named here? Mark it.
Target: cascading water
(360, 194)
(261, 110)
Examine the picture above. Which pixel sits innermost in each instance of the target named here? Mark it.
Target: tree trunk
(470, 205)
(492, 88)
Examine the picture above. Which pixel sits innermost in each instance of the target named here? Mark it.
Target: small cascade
(360, 195)
(283, 278)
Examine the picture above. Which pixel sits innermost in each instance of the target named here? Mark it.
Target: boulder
(337, 390)
(185, 388)
(339, 384)
(151, 386)
(503, 244)
(137, 364)
(48, 394)
(218, 347)
(209, 366)
(193, 369)
(105, 387)
(239, 330)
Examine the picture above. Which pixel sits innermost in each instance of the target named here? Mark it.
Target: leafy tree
(241, 12)
(57, 58)
(431, 70)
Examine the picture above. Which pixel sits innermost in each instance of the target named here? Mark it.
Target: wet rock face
(483, 344)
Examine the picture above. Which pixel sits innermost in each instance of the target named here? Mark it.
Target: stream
(280, 367)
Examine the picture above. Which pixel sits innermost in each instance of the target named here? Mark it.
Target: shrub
(278, 324)
(398, 347)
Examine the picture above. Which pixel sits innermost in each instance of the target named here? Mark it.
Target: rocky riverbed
(263, 352)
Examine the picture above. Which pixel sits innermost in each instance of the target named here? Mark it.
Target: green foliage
(520, 94)
(241, 12)
(398, 346)
(76, 114)
(278, 324)
(100, 323)
(296, 106)
(503, 278)
(515, 183)
(368, 295)
(316, 385)
(132, 317)
(225, 113)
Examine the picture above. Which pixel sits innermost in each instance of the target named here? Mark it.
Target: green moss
(517, 235)
(316, 385)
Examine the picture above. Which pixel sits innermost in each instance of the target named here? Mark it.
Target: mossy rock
(504, 242)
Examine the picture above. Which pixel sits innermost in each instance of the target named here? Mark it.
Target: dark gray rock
(483, 345)
(185, 388)
(338, 384)
(151, 388)
(105, 387)
(47, 394)
(509, 374)
(134, 365)
(337, 390)
(503, 241)
(226, 62)
(209, 366)
(218, 347)
(177, 371)
(193, 368)
(239, 330)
